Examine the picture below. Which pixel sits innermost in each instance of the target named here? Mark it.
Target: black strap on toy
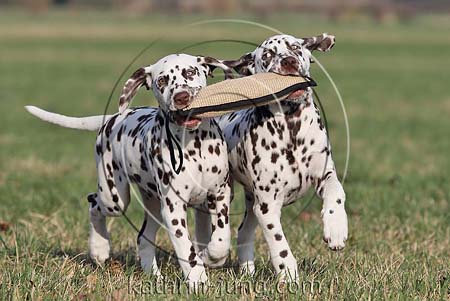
(171, 139)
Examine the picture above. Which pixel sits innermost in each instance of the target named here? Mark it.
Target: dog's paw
(150, 267)
(247, 268)
(335, 228)
(197, 280)
(289, 275)
(99, 252)
(212, 261)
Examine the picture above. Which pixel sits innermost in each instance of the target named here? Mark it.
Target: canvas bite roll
(241, 93)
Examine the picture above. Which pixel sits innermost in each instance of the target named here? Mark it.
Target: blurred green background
(391, 66)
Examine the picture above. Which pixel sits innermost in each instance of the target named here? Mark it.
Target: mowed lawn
(394, 80)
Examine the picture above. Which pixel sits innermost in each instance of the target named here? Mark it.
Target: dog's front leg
(334, 217)
(216, 253)
(173, 212)
(268, 213)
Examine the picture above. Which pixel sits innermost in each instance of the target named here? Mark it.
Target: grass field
(395, 83)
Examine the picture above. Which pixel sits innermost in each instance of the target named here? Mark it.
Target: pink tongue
(296, 94)
(191, 122)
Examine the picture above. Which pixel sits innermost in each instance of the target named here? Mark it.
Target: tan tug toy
(241, 93)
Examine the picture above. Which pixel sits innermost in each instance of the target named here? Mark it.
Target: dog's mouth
(189, 122)
(296, 94)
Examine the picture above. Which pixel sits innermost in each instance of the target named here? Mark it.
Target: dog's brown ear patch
(139, 78)
(244, 65)
(213, 63)
(323, 42)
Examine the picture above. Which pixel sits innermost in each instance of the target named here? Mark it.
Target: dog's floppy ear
(323, 42)
(214, 63)
(139, 78)
(245, 65)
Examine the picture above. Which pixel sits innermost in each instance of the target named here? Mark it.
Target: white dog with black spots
(132, 147)
(279, 151)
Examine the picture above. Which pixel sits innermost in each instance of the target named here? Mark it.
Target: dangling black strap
(170, 140)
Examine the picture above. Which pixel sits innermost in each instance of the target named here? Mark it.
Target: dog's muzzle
(182, 100)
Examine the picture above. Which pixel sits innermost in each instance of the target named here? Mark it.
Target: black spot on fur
(109, 125)
(274, 157)
(110, 184)
(137, 178)
(166, 178)
(264, 208)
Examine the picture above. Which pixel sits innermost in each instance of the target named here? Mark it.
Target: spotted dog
(279, 151)
(132, 147)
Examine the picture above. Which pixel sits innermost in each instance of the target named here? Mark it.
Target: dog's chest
(280, 154)
(204, 166)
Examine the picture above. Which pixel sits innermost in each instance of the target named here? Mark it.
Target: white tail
(92, 123)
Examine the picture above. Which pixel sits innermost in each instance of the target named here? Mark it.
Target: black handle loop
(170, 140)
(310, 81)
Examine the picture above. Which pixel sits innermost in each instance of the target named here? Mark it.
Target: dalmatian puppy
(133, 147)
(279, 151)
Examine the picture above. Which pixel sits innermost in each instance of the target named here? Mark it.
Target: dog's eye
(267, 55)
(190, 73)
(162, 81)
(294, 47)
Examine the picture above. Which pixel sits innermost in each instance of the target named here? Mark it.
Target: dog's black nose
(181, 99)
(289, 62)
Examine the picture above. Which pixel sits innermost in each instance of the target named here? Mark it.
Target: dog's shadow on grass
(126, 260)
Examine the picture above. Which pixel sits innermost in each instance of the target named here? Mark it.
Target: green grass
(394, 81)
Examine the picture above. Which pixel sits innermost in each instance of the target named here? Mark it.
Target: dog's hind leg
(111, 199)
(246, 237)
(99, 242)
(202, 227)
(147, 235)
